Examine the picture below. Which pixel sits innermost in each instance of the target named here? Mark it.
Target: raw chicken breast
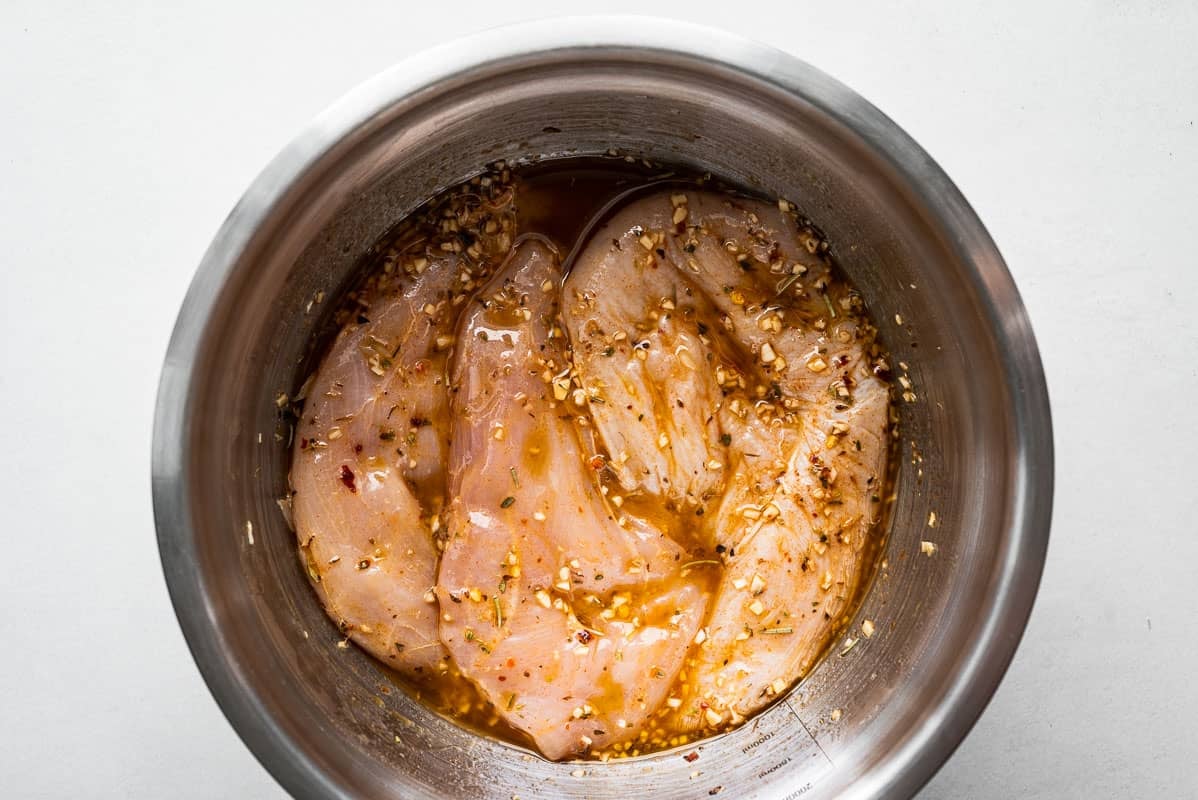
(572, 619)
(367, 541)
(368, 469)
(784, 412)
(640, 351)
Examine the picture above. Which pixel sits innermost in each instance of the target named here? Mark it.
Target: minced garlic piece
(770, 323)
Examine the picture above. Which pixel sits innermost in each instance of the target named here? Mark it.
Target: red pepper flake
(420, 366)
(347, 477)
(598, 462)
(583, 636)
(691, 757)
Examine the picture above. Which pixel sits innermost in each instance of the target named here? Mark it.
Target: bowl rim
(905, 769)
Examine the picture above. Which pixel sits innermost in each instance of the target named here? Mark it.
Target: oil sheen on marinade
(606, 511)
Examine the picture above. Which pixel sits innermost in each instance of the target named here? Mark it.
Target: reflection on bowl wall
(977, 440)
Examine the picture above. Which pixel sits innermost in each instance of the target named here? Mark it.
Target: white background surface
(127, 133)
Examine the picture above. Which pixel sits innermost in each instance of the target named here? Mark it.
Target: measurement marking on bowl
(799, 792)
(808, 732)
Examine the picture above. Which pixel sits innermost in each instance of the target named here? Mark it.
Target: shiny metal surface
(977, 444)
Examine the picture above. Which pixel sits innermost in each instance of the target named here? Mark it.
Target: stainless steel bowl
(977, 443)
